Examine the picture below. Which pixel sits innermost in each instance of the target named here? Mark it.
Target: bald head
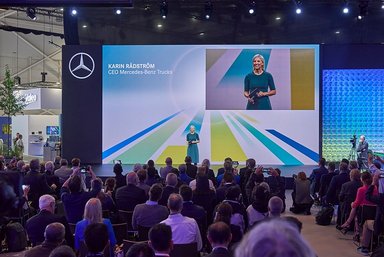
(47, 202)
(54, 233)
(175, 203)
(132, 178)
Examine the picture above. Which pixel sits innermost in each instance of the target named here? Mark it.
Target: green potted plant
(11, 104)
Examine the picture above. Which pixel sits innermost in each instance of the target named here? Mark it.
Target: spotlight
(74, 12)
(31, 13)
(118, 11)
(163, 9)
(298, 6)
(208, 9)
(345, 10)
(252, 6)
(360, 17)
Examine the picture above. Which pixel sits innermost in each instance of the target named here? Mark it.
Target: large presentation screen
(245, 101)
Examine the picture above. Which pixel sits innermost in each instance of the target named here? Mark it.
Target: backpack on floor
(15, 237)
(324, 216)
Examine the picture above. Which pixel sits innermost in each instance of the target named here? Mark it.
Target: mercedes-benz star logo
(84, 69)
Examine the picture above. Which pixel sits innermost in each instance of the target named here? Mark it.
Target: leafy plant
(10, 103)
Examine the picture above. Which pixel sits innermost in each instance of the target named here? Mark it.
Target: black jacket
(129, 196)
(379, 200)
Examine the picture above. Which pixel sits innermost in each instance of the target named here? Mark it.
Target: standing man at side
(362, 150)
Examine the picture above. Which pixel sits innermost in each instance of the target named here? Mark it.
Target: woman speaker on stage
(193, 139)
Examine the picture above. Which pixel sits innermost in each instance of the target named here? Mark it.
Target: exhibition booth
(40, 122)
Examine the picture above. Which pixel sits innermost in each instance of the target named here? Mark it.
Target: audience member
(119, 177)
(150, 213)
(57, 163)
(276, 184)
(73, 198)
(96, 237)
(221, 170)
(184, 229)
(348, 195)
(106, 200)
(183, 175)
(64, 171)
(165, 170)
(204, 196)
(211, 175)
(140, 250)
(224, 214)
(142, 175)
(93, 215)
(239, 213)
(160, 239)
(245, 174)
(258, 210)
(170, 188)
(201, 171)
(137, 167)
(37, 183)
(129, 196)
(221, 191)
(52, 180)
(255, 179)
(274, 238)
(302, 201)
(315, 177)
(275, 206)
(191, 169)
(54, 236)
(63, 251)
(228, 167)
(219, 236)
(36, 225)
(110, 187)
(151, 164)
(152, 176)
(325, 180)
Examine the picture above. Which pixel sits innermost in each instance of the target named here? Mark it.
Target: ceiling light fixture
(252, 7)
(163, 9)
(118, 11)
(345, 7)
(74, 12)
(208, 9)
(31, 13)
(298, 4)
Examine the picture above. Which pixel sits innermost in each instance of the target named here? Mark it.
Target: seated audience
(92, 215)
(63, 251)
(275, 206)
(106, 200)
(219, 236)
(56, 163)
(204, 196)
(221, 170)
(119, 177)
(258, 210)
(239, 213)
(201, 171)
(36, 225)
(137, 167)
(152, 176)
(110, 187)
(183, 175)
(276, 184)
(191, 169)
(52, 180)
(140, 250)
(302, 201)
(244, 174)
(37, 183)
(224, 214)
(142, 175)
(315, 177)
(151, 164)
(184, 229)
(170, 188)
(228, 168)
(54, 236)
(96, 238)
(63, 172)
(255, 178)
(150, 213)
(127, 197)
(73, 198)
(348, 195)
(221, 191)
(211, 175)
(274, 238)
(160, 239)
(325, 180)
(165, 170)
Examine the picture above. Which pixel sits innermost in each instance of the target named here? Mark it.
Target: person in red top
(360, 200)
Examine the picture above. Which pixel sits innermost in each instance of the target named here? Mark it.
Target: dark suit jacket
(221, 191)
(315, 177)
(325, 180)
(198, 213)
(191, 170)
(43, 250)
(38, 187)
(220, 252)
(167, 191)
(120, 181)
(14, 179)
(335, 187)
(129, 196)
(35, 227)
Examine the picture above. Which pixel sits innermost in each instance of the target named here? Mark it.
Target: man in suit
(315, 178)
(170, 188)
(160, 239)
(362, 149)
(36, 225)
(37, 183)
(219, 236)
(245, 173)
(326, 180)
(127, 197)
(228, 181)
(167, 169)
(191, 169)
(54, 236)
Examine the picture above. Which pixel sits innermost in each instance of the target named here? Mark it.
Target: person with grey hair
(19, 165)
(167, 169)
(259, 86)
(64, 171)
(137, 167)
(52, 180)
(184, 229)
(192, 140)
(362, 150)
(274, 238)
(170, 188)
(35, 225)
(54, 236)
(275, 206)
(127, 197)
(63, 251)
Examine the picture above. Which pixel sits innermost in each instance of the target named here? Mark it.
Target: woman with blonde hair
(93, 214)
(302, 201)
